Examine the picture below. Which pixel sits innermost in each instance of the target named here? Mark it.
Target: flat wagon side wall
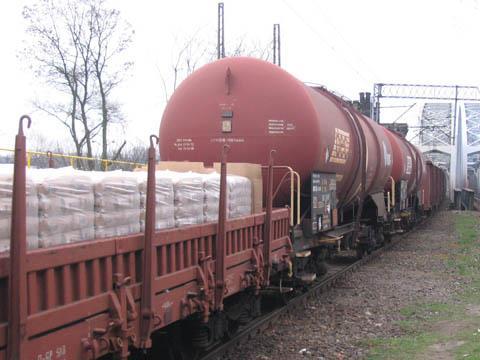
(79, 302)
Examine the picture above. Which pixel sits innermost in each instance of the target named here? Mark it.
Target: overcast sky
(344, 45)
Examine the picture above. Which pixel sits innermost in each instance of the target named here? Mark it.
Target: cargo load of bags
(117, 203)
(67, 205)
(164, 209)
(239, 196)
(6, 187)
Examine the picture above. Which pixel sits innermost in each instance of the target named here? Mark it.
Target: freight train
(359, 181)
(332, 180)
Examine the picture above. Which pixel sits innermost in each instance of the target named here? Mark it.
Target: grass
(448, 322)
(402, 348)
(471, 348)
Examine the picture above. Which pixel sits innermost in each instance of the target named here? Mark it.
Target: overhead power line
(354, 52)
(329, 46)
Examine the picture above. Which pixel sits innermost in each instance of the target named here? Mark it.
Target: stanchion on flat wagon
(147, 319)
(267, 229)
(17, 284)
(221, 234)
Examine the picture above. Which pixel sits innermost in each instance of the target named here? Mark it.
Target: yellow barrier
(72, 158)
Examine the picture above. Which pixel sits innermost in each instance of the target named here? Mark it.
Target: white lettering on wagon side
(167, 312)
(59, 353)
(184, 144)
(228, 140)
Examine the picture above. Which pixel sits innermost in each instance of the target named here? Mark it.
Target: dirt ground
(383, 310)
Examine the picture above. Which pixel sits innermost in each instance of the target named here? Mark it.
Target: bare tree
(137, 153)
(188, 54)
(75, 47)
(112, 38)
(193, 51)
(251, 48)
(40, 144)
(54, 35)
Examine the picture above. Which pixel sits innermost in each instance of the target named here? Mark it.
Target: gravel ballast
(338, 324)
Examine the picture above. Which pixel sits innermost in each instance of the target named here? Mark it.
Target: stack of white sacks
(6, 184)
(239, 196)
(67, 205)
(164, 209)
(117, 203)
(188, 196)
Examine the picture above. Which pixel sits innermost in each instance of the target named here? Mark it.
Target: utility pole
(375, 109)
(220, 33)
(276, 45)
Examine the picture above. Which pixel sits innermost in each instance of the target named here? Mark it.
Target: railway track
(336, 274)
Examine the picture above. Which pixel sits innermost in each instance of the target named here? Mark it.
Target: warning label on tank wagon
(408, 169)
(387, 157)
(279, 127)
(341, 146)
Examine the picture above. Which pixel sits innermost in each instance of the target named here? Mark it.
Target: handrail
(298, 196)
(293, 175)
(50, 155)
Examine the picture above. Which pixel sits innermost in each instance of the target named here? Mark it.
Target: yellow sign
(341, 147)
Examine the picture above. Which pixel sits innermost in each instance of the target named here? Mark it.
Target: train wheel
(380, 237)
(388, 238)
(202, 335)
(172, 344)
(320, 267)
(231, 328)
(360, 250)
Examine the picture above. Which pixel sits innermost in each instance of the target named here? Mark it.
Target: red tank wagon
(256, 106)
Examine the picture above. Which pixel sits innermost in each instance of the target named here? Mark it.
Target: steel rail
(264, 322)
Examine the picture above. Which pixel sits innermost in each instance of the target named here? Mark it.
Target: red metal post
(221, 234)
(17, 284)
(146, 321)
(267, 230)
(51, 164)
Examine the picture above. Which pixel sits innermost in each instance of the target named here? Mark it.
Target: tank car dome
(250, 104)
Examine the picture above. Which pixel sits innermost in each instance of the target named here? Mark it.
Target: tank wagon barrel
(372, 173)
(265, 107)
